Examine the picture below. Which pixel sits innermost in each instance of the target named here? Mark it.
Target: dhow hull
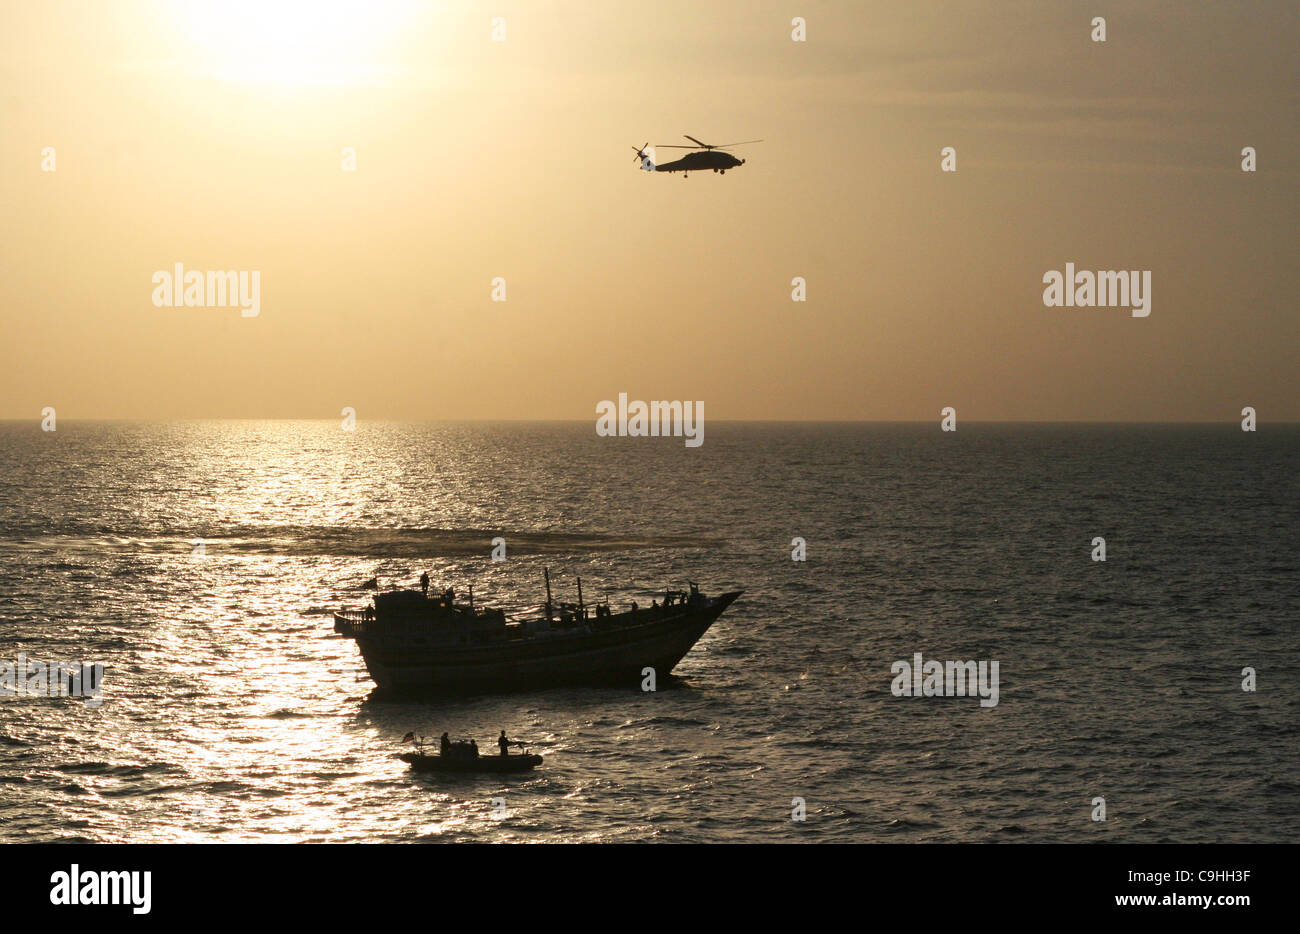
(616, 656)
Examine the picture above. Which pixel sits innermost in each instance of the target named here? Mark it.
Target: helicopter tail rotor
(647, 157)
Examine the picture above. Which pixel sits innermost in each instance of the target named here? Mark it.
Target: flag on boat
(408, 738)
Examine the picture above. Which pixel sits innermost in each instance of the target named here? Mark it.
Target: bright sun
(293, 41)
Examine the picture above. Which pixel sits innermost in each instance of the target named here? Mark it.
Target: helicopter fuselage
(701, 161)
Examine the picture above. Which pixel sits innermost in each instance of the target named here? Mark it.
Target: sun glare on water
(316, 42)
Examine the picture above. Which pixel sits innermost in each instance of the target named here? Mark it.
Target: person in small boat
(424, 583)
(444, 744)
(503, 743)
(473, 749)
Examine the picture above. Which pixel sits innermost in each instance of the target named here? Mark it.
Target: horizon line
(578, 421)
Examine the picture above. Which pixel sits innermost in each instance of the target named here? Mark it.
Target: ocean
(199, 563)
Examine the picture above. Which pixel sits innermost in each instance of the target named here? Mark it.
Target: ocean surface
(199, 562)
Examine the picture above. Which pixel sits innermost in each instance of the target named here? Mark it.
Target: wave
(347, 541)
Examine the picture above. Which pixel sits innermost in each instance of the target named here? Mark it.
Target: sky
(213, 134)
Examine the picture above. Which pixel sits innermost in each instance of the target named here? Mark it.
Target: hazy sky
(211, 134)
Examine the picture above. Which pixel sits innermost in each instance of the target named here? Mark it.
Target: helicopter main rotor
(700, 145)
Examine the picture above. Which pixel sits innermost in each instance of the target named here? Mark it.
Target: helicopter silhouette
(705, 157)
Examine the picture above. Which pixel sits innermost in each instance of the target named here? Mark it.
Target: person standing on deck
(424, 583)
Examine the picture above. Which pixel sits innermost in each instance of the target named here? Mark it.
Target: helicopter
(705, 157)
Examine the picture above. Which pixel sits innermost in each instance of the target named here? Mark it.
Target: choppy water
(232, 712)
